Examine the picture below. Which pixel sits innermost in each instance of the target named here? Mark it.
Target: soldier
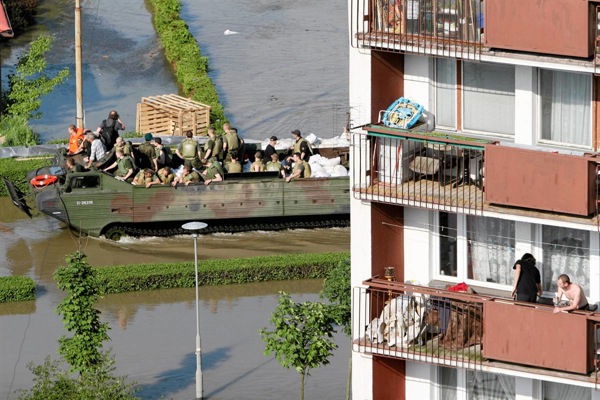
(257, 165)
(213, 148)
(270, 149)
(190, 151)
(233, 166)
(146, 177)
(187, 176)
(301, 168)
(274, 164)
(147, 154)
(166, 175)
(231, 142)
(301, 146)
(124, 166)
(213, 172)
(72, 166)
(163, 153)
(124, 146)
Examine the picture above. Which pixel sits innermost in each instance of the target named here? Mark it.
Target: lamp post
(194, 228)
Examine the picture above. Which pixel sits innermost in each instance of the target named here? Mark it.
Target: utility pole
(78, 68)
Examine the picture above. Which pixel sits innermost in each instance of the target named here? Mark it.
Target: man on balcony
(573, 292)
(527, 282)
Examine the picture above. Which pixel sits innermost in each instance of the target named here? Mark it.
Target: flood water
(284, 68)
(153, 333)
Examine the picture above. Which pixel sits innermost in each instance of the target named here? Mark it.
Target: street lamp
(194, 228)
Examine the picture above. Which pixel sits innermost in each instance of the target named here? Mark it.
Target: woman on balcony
(527, 283)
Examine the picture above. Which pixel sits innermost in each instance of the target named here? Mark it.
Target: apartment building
(503, 162)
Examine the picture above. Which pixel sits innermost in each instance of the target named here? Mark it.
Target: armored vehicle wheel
(115, 233)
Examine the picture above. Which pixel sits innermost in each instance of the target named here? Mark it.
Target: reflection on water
(153, 333)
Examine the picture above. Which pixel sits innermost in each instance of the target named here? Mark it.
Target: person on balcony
(573, 293)
(527, 283)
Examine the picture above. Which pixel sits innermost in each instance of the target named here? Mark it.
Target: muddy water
(153, 333)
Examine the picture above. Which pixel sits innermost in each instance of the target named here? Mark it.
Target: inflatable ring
(43, 180)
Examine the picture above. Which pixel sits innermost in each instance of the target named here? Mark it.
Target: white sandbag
(330, 162)
(283, 144)
(315, 159)
(339, 170)
(311, 138)
(317, 171)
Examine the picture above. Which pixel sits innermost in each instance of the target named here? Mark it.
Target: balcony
(468, 29)
(472, 331)
(442, 27)
(451, 173)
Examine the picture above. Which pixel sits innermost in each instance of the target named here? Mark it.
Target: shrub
(182, 51)
(16, 169)
(127, 278)
(16, 288)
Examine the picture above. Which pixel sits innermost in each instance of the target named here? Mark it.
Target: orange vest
(75, 140)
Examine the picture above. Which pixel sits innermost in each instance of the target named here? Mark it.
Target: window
(560, 391)
(486, 386)
(480, 250)
(478, 385)
(490, 243)
(566, 100)
(489, 98)
(565, 251)
(445, 92)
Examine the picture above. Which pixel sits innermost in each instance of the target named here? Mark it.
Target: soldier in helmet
(147, 154)
(190, 151)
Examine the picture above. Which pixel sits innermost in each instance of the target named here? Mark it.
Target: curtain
(489, 98)
(491, 243)
(448, 383)
(560, 391)
(566, 107)
(565, 251)
(445, 92)
(486, 386)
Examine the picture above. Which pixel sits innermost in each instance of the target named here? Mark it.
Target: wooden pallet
(172, 115)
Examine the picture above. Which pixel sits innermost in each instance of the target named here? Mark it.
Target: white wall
(419, 381)
(416, 79)
(525, 105)
(416, 245)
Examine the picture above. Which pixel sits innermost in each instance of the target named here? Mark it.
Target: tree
(94, 368)
(83, 351)
(337, 289)
(302, 337)
(27, 86)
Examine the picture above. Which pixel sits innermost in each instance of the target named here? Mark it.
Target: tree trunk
(302, 375)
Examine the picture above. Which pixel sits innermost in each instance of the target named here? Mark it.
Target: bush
(15, 131)
(182, 51)
(127, 278)
(16, 169)
(21, 14)
(16, 288)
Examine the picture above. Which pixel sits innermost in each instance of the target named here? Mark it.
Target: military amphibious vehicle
(95, 203)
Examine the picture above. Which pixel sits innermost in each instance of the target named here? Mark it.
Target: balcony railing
(420, 171)
(442, 327)
(451, 28)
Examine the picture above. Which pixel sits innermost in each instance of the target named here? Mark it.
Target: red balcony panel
(537, 337)
(558, 27)
(540, 180)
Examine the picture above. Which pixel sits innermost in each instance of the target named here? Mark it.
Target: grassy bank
(182, 51)
(127, 278)
(140, 277)
(16, 288)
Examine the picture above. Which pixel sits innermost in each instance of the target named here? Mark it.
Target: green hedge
(16, 169)
(182, 51)
(127, 278)
(16, 288)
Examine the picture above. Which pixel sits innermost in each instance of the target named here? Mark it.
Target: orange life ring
(43, 180)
